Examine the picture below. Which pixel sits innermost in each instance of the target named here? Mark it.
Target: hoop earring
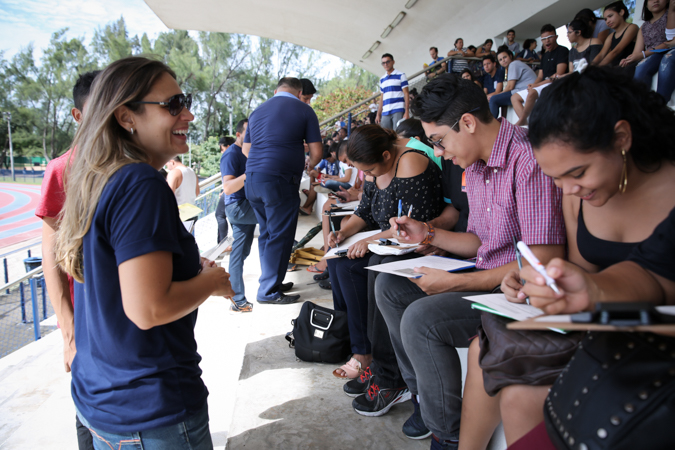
(131, 130)
(623, 182)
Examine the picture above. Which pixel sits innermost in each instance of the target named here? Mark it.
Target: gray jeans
(391, 120)
(425, 331)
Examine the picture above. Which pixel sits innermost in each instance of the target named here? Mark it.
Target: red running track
(18, 221)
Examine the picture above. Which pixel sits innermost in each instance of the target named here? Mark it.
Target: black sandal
(321, 276)
(325, 284)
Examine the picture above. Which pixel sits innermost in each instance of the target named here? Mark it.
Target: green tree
(340, 99)
(42, 94)
(224, 56)
(112, 42)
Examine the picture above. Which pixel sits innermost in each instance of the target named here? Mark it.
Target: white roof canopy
(349, 28)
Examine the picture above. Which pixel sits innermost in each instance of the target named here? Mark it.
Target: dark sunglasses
(175, 104)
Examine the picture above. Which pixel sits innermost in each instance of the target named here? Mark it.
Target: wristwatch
(431, 232)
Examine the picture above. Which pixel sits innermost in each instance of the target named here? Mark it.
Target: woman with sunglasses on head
(607, 141)
(136, 375)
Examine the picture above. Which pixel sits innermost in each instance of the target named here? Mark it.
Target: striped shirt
(511, 197)
(391, 87)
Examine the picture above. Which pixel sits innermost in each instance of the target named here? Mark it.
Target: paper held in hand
(399, 249)
(344, 245)
(498, 304)
(406, 267)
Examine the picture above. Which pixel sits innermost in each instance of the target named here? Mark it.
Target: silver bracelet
(643, 55)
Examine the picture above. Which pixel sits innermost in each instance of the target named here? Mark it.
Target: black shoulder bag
(618, 393)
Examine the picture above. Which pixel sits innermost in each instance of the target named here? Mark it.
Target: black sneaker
(414, 427)
(359, 385)
(283, 299)
(378, 401)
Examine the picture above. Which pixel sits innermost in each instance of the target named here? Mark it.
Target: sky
(26, 21)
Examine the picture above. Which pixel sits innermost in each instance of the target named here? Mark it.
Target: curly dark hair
(583, 109)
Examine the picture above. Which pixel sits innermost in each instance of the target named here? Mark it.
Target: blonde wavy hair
(101, 147)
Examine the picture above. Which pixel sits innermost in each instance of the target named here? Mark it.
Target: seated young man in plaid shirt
(509, 197)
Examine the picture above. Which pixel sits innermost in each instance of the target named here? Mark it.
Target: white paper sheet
(406, 267)
(344, 245)
(349, 205)
(400, 249)
(339, 213)
(498, 302)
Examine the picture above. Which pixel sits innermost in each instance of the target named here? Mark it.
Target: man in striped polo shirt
(394, 100)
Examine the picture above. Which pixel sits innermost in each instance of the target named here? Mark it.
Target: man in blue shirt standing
(240, 214)
(274, 146)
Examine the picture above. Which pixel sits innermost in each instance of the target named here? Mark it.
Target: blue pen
(400, 209)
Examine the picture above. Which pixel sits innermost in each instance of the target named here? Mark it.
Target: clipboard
(534, 324)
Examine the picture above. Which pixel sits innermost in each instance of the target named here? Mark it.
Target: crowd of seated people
(598, 146)
(564, 189)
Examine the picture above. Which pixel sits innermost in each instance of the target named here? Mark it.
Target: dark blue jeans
(334, 185)
(243, 221)
(664, 64)
(499, 100)
(221, 218)
(349, 280)
(193, 434)
(275, 200)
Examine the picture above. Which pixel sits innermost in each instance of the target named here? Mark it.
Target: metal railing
(17, 327)
(412, 80)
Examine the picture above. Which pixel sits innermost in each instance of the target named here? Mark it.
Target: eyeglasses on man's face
(175, 104)
(387, 61)
(438, 142)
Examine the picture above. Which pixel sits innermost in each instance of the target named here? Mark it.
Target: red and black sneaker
(359, 385)
(378, 401)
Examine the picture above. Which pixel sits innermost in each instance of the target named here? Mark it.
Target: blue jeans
(275, 200)
(193, 434)
(221, 218)
(335, 185)
(349, 281)
(499, 100)
(663, 63)
(243, 221)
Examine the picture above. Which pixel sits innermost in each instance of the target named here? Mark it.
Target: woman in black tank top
(608, 142)
(621, 42)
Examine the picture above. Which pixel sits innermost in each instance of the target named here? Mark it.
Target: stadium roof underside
(350, 28)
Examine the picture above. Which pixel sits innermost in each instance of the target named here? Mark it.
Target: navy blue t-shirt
(276, 131)
(233, 162)
(126, 379)
(489, 81)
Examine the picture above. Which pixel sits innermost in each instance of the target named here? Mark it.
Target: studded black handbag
(618, 392)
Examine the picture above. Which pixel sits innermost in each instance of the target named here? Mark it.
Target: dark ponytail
(582, 27)
(582, 109)
(367, 144)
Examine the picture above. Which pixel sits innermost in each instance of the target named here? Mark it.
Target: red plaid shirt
(510, 196)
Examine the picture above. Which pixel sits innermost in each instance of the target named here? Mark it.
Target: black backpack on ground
(320, 334)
